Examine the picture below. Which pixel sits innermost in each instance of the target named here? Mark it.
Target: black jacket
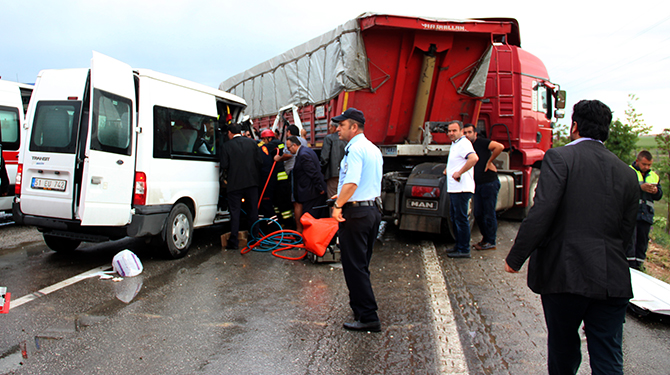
(241, 159)
(308, 181)
(583, 218)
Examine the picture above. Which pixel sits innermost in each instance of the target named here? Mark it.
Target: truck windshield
(55, 126)
(9, 122)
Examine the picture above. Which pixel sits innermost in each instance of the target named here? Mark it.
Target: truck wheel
(60, 244)
(534, 178)
(178, 231)
(520, 213)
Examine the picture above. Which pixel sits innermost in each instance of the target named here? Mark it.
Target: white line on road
(50, 289)
(450, 354)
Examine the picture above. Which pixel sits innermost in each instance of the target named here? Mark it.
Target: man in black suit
(576, 234)
(242, 159)
(309, 187)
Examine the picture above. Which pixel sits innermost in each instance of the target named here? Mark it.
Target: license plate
(416, 204)
(48, 184)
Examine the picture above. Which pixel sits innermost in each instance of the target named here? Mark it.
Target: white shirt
(458, 156)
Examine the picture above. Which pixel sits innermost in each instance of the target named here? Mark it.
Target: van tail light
(425, 192)
(19, 174)
(140, 193)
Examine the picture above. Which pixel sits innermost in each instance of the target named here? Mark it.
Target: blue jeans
(486, 196)
(458, 210)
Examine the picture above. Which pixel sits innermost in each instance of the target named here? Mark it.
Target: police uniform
(636, 253)
(361, 165)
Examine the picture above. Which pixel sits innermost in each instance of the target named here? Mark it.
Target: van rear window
(9, 124)
(55, 126)
(112, 125)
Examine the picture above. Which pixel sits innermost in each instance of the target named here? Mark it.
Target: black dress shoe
(375, 326)
(231, 247)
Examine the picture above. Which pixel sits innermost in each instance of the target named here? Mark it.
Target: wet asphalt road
(220, 312)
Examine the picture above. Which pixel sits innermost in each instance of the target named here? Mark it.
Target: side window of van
(180, 133)
(112, 128)
(55, 126)
(9, 122)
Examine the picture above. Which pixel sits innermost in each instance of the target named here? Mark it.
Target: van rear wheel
(60, 244)
(178, 231)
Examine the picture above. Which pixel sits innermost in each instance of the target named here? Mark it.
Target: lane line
(50, 289)
(451, 359)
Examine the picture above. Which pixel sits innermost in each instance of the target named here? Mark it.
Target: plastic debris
(650, 294)
(127, 264)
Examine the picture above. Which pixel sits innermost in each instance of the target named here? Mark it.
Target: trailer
(411, 76)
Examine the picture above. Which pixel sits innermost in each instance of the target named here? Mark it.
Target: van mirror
(560, 99)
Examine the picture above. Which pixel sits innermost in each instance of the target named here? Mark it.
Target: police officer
(356, 210)
(650, 191)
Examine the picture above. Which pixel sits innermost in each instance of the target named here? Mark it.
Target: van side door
(109, 163)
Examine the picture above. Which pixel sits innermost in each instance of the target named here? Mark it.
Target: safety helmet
(267, 133)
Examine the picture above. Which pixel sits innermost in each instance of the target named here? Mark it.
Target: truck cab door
(109, 161)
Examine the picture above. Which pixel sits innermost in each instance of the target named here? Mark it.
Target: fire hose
(276, 242)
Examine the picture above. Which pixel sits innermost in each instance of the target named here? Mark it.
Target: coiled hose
(276, 242)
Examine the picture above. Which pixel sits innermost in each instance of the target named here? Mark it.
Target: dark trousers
(458, 209)
(637, 250)
(603, 323)
(309, 207)
(250, 196)
(486, 196)
(357, 238)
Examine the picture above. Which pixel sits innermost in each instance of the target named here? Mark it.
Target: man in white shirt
(460, 186)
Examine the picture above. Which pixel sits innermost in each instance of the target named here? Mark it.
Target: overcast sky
(592, 51)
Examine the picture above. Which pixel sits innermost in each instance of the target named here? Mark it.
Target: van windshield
(9, 123)
(55, 126)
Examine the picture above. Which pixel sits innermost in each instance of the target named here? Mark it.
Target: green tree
(624, 136)
(662, 165)
(561, 135)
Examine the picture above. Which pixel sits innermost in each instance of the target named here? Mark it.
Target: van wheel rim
(180, 231)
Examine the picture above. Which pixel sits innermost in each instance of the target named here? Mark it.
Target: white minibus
(113, 151)
(14, 98)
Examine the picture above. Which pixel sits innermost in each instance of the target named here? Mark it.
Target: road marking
(50, 289)
(451, 359)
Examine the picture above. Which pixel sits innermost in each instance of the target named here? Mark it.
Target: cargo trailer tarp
(313, 72)
(317, 71)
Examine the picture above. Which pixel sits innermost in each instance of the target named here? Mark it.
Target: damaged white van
(113, 151)
(14, 99)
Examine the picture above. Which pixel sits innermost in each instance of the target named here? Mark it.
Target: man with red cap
(268, 173)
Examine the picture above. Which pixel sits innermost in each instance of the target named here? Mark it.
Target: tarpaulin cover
(317, 233)
(313, 72)
(476, 84)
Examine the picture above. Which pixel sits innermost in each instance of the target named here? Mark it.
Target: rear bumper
(147, 221)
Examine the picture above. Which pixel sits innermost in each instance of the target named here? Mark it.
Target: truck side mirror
(560, 99)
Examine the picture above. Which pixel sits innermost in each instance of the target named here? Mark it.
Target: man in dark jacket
(576, 235)
(332, 153)
(309, 188)
(241, 159)
(650, 191)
